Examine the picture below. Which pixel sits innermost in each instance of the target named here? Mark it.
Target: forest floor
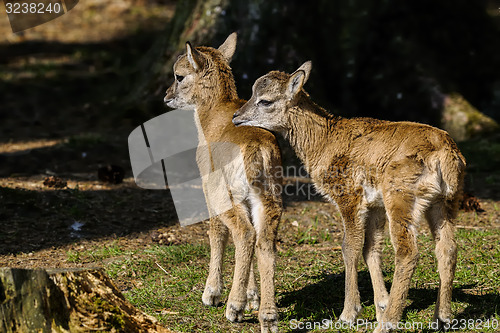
(61, 85)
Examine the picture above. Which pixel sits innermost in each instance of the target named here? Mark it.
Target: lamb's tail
(452, 168)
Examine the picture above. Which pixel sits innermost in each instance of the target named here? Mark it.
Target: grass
(476, 150)
(97, 254)
(167, 282)
(312, 232)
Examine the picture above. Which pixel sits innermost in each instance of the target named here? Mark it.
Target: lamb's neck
(201, 136)
(310, 132)
(211, 107)
(215, 111)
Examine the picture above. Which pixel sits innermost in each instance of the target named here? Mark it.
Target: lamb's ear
(229, 46)
(295, 83)
(306, 67)
(194, 57)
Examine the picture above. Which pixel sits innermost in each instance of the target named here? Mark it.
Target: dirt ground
(57, 82)
(57, 118)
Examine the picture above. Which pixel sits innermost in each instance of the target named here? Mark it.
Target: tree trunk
(71, 300)
(368, 59)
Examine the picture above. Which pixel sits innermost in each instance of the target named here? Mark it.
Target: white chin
(172, 105)
(250, 123)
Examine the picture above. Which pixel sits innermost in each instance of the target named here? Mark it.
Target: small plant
(73, 256)
(106, 252)
(324, 235)
(305, 237)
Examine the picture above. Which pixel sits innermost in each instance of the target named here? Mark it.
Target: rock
(55, 182)
(463, 121)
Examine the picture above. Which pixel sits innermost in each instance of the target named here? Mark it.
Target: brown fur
(372, 170)
(204, 82)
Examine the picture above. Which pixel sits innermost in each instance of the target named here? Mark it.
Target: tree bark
(71, 300)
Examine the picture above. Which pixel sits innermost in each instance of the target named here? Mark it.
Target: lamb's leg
(374, 239)
(252, 291)
(442, 229)
(243, 234)
(266, 214)
(218, 235)
(399, 208)
(352, 248)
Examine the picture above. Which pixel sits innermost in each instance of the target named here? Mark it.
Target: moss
(111, 314)
(463, 121)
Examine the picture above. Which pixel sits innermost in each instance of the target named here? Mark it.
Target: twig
(163, 269)
(301, 275)
(469, 227)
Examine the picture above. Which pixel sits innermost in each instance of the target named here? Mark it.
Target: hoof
(253, 301)
(211, 297)
(268, 320)
(441, 323)
(234, 311)
(349, 315)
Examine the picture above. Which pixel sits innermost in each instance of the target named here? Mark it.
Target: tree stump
(69, 300)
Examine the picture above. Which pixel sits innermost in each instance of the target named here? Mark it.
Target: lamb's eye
(179, 78)
(264, 102)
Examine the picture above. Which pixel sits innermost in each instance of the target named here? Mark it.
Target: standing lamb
(204, 82)
(373, 171)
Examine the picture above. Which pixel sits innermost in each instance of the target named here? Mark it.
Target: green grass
(309, 284)
(312, 234)
(97, 254)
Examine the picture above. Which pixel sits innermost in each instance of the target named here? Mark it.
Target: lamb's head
(202, 75)
(272, 96)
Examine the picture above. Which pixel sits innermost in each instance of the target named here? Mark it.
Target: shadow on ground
(33, 220)
(306, 302)
(73, 94)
